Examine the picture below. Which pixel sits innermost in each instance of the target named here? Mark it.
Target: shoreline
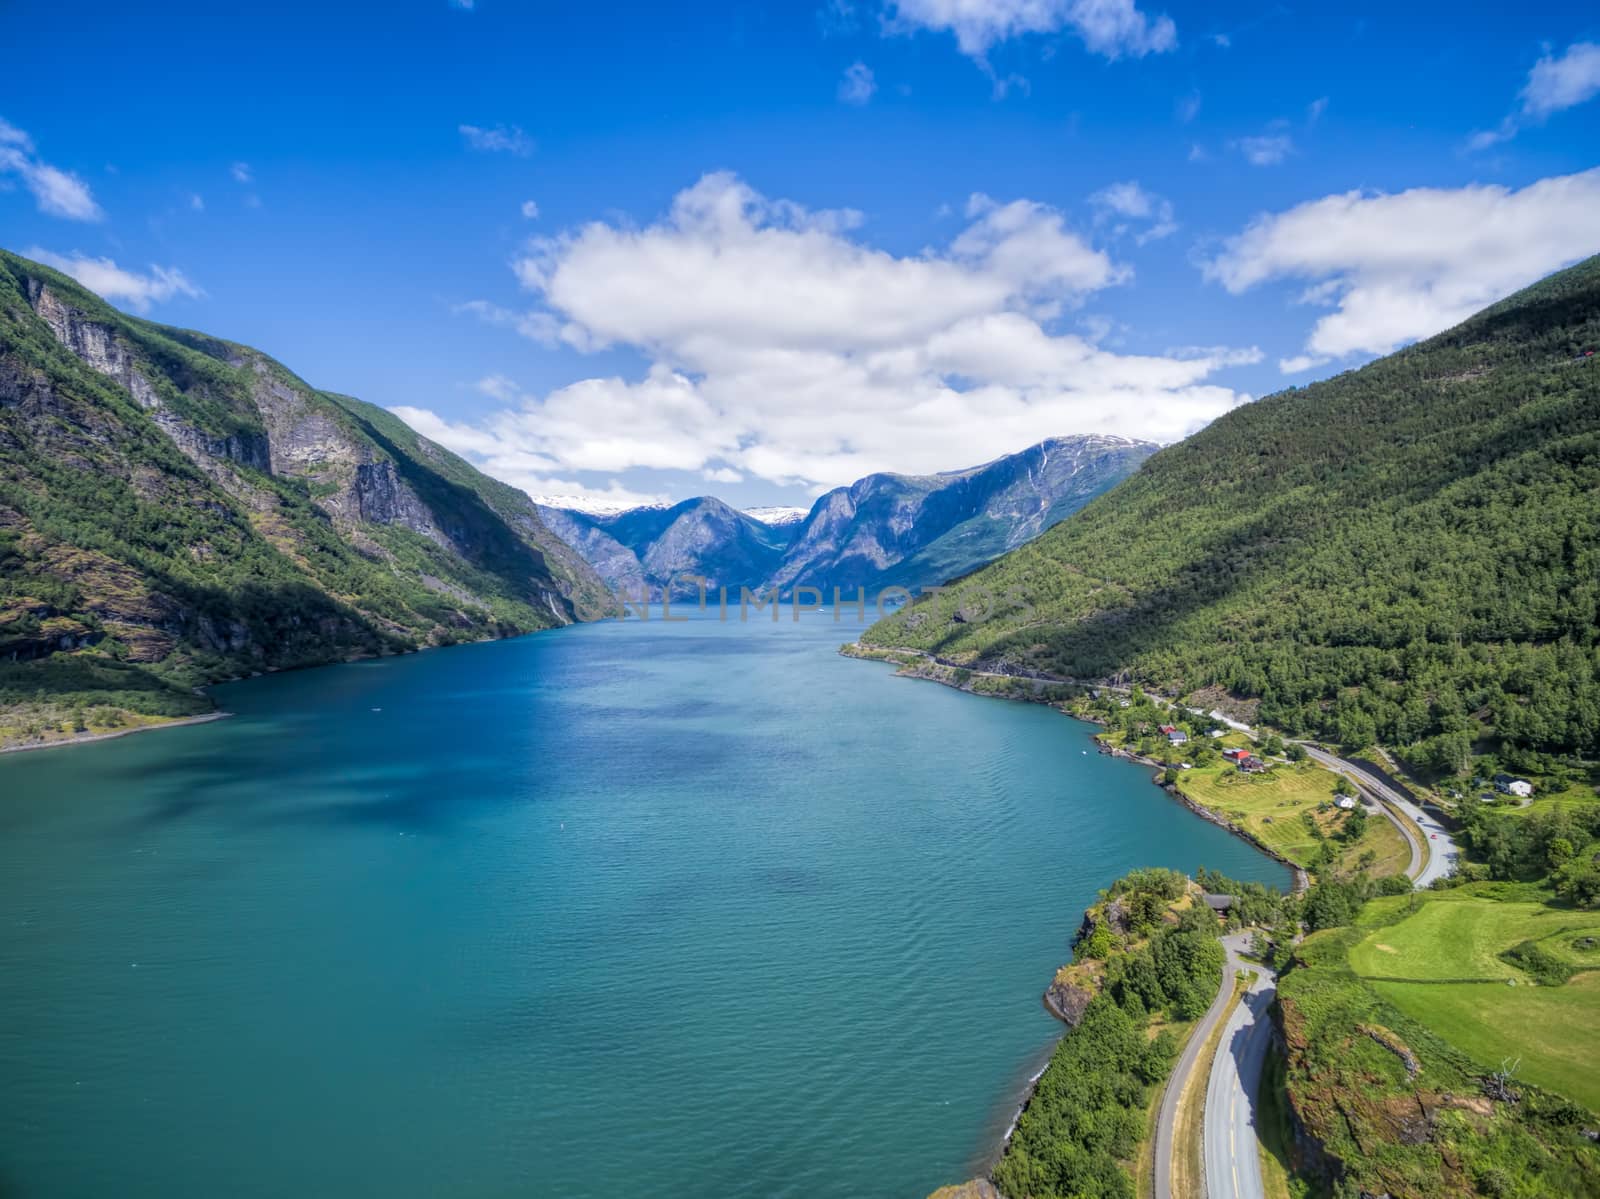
(205, 689)
(1036, 696)
(89, 738)
(861, 653)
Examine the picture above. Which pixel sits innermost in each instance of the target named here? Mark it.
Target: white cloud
(463, 5)
(55, 192)
(1399, 267)
(1135, 206)
(1299, 363)
(1189, 107)
(242, 173)
(858, 85)
(499, 387)
(1265, 150)
(784, 347)
(1553, 85)
(508, 139)
(722, 474)
(1315, 109)
(530, 210)
(106, 278)
(197, 202)
(1112, 28)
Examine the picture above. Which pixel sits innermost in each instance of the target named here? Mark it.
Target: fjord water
(623, 909)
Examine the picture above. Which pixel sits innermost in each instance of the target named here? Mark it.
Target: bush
(1538, 963)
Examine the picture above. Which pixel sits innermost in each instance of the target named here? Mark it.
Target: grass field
(1423, 964)
(1549, 1028)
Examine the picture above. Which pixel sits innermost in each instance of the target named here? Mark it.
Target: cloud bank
(1394, 268)
(1112, 28)
(783, 347)
(55, 192)
(104, 277)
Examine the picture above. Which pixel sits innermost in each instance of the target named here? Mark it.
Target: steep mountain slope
(909, 530)
(649, 547)
(1409, 551)
(914, 530)
(175, 509)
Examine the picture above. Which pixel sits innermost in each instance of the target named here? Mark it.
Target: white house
(1346, 802)
(1521, 788)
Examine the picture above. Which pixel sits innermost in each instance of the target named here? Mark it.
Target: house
(1235, 754)
(1126, 703)
(1220, 904)
(1346, 802)
(1251, 764)
(1169, 729)
(1507, 785)
(1177, 737)
(1217, 733)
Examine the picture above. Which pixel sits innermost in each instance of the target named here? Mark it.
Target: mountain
(1408, 552)
(910, 530)
(915, 530)
(650, 546)
(778, 515)
(175, 509)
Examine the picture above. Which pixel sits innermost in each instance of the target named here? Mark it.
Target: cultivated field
(1272, 808)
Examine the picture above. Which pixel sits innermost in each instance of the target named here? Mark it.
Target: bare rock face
(1067, 1001)
(100, 349)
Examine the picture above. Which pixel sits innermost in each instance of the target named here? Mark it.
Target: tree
(1296, 752)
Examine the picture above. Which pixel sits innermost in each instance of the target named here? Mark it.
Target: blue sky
(770, 248)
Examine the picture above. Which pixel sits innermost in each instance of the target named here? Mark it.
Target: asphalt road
(1232, 1163)
(1443, 853)
(1167, 1118)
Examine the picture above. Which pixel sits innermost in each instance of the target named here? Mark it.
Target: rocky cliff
(175, 508)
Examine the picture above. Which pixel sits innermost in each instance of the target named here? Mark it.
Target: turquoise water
(625, 909)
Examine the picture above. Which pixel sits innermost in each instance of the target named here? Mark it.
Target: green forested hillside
(1408, 552)
(176, 509)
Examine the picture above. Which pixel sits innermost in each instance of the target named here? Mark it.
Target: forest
(1408, 553)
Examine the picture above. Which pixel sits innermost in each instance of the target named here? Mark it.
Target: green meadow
(1441, 965)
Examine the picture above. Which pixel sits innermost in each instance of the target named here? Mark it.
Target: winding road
(1232, 1164)
(1442, 851)
(1230, 1150)
(1177, 1081)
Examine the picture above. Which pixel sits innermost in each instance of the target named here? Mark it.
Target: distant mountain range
(883, 530)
